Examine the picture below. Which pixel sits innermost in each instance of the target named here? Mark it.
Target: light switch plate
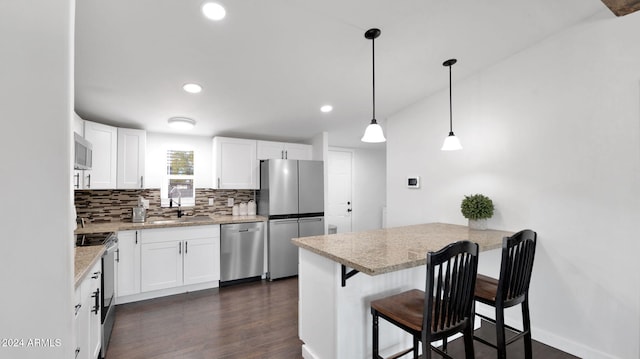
(211, 201)
(230, 202)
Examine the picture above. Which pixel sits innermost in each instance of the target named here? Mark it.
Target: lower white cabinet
(87, 315)
(173, 257)
(163, 261)
(128, 263)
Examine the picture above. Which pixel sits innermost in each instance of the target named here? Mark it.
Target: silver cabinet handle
(141, 181)
(286, 155)
(218, 182)
(136, 237)
(179, 247)
(77, 351)
(89, 181)
(77, 308)
(118, 255)
(77, 176)
(186, 247)
(95, 275)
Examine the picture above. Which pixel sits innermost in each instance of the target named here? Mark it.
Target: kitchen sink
(187, 219)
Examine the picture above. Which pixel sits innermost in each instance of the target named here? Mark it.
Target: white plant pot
(480, 224)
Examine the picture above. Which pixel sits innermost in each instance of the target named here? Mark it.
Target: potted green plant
(477, 208)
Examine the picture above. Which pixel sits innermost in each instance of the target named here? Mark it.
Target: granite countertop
(166, 223)
(387, 250)
(85, 259)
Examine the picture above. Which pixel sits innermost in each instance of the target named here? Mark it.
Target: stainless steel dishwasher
(241, 251)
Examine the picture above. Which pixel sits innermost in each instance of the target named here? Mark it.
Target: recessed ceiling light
(192, 88)
(182, 123)
(214, 11)
(326, 108)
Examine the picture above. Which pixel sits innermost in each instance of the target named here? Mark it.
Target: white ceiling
(270, 64)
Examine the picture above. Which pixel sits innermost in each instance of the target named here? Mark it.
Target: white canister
(243, 209)
(251, 208)
(235, 211)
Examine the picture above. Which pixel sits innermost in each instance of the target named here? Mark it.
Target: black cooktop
(93, 239)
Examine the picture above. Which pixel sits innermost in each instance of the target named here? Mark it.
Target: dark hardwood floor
(251, 320)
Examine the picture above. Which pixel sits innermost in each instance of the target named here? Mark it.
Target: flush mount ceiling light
(214, 11)
(182, 123)
(192, 88)
(373, 133)
(451, 143)
(326, 108)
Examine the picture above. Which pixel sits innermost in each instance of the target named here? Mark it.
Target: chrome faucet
(175, 189)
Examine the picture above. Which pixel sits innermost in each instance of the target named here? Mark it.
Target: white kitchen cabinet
(178, 256)
(78, 176)
(87, 315)
(267, 150)
(235, 165)
(162, 265)
(201, 260)
(132, 146)
(81, 324)
(105, 146)
(128, 263)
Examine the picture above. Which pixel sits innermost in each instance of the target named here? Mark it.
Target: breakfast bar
(340, 274)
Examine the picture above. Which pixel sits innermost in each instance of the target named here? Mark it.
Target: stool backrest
(518, 252)
(451, 278)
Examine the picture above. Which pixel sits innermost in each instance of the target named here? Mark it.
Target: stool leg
(375, 335)
(468, 343)
(500, 333)
(526, 323)
(416, 342)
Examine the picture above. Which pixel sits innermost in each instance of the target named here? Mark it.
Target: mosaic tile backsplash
(99, 206)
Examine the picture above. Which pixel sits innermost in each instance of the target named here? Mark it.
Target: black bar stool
(442, 310)
(512, 288)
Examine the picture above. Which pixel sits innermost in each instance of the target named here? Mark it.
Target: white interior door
(340, 187)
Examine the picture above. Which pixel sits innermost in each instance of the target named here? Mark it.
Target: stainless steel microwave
(82, 154)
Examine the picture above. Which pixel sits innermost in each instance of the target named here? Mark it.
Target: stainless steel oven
(107, 296)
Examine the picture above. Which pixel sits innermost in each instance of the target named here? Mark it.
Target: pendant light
(373, 133)
(451, 143)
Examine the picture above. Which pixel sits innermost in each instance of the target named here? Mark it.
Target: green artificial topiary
(476, 207)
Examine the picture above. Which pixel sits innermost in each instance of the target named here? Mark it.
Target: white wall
(552, 135)
(369, 178)
(36, 260)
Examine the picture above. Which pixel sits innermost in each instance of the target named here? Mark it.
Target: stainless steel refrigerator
(292, 197)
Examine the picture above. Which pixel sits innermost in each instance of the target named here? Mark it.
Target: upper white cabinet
(132, 146)
(235, 165)
(105, 147)
(268, 150)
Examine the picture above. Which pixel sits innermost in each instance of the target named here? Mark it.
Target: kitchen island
(340, 274)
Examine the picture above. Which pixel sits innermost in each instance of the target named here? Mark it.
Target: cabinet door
(269, 150)
(235, 164)
(132, 146)
(82, 324)
(128, 263)
(296, 151)
(103, 170)
(201, 260)
(161, 265)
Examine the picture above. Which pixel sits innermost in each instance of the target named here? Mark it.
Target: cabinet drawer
(157, 235)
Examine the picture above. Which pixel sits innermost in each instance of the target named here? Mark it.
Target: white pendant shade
(373, 134)
(451, 143)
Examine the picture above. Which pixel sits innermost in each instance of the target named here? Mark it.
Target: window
(178, 184)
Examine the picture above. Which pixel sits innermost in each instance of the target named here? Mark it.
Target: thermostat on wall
(413, 182)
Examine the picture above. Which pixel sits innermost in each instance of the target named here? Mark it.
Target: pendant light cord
(450, 103)
(373, 57)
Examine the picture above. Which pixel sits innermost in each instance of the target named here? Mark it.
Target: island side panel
(335, 321)
(317, 305)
